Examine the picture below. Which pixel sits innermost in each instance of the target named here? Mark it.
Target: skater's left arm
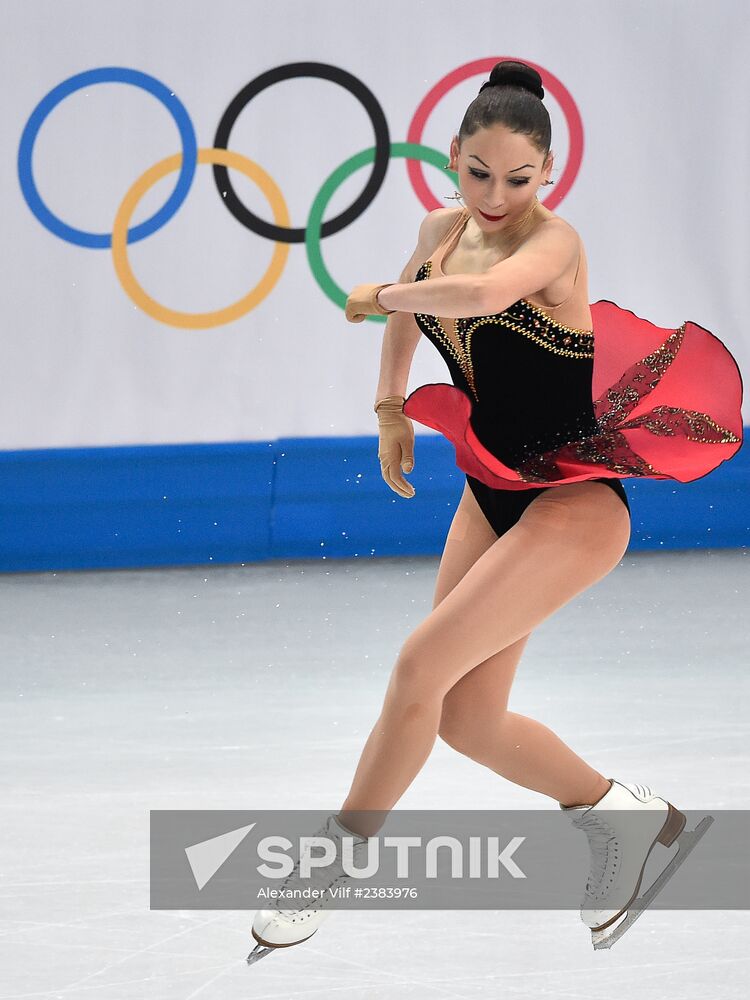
(451, 296)
(545, 255)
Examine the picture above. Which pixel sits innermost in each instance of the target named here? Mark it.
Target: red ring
(551, 85)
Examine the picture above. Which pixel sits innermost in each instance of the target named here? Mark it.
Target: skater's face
(499, 174)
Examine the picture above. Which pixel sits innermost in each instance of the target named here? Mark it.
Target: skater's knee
(411, 673)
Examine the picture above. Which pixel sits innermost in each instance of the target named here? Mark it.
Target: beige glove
(396, 445)
(363, 301)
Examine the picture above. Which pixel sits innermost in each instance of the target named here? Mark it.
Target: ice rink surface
(256, 686)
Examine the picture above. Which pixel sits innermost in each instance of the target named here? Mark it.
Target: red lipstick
(491, 218)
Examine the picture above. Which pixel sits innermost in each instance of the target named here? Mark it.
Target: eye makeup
(516, 181)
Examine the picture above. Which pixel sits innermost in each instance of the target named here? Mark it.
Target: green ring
(405, 150)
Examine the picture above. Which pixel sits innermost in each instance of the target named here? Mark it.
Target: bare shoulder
(573, 236)
(556, 236)
(432, 229)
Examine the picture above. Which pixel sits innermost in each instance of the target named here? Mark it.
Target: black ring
(291, 71)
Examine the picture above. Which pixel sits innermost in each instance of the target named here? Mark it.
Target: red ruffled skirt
(667, 404)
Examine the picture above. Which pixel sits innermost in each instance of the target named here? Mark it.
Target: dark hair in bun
(516, 73)
(511, 97)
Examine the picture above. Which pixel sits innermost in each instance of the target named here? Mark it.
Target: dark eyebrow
(510, 171)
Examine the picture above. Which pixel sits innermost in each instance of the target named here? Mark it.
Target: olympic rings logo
(221, 158)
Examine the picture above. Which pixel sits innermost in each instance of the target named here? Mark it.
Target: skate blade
(258, 952)
(686, 842)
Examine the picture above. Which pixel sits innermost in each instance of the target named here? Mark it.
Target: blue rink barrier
(292, 498)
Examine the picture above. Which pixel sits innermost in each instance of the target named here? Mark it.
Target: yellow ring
(198, 321)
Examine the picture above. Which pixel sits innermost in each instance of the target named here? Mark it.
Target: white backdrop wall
(660, 198)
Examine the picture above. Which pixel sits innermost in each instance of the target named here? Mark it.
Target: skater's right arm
(401, 331)
(396, 432)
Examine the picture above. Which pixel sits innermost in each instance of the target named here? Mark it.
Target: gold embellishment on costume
(609, 447)
(638, 381)
(610, 450)
(562, 344)
(667, 421)
(523, 317)
(460, 352)
(662, 420)
(460, 355)
(554, 322)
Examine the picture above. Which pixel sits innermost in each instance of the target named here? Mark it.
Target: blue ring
(107, 74)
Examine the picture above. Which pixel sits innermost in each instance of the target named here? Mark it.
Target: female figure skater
(500, 288)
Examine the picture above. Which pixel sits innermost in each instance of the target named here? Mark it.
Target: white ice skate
(283, 928)
(621, 842)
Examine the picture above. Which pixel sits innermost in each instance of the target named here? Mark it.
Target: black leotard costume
(536, 404)
(529, 378)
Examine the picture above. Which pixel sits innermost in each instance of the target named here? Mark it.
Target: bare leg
(528, 753)
(566, 540)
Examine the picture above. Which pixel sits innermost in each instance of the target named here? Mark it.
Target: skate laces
(600, 835)
(320, 878)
